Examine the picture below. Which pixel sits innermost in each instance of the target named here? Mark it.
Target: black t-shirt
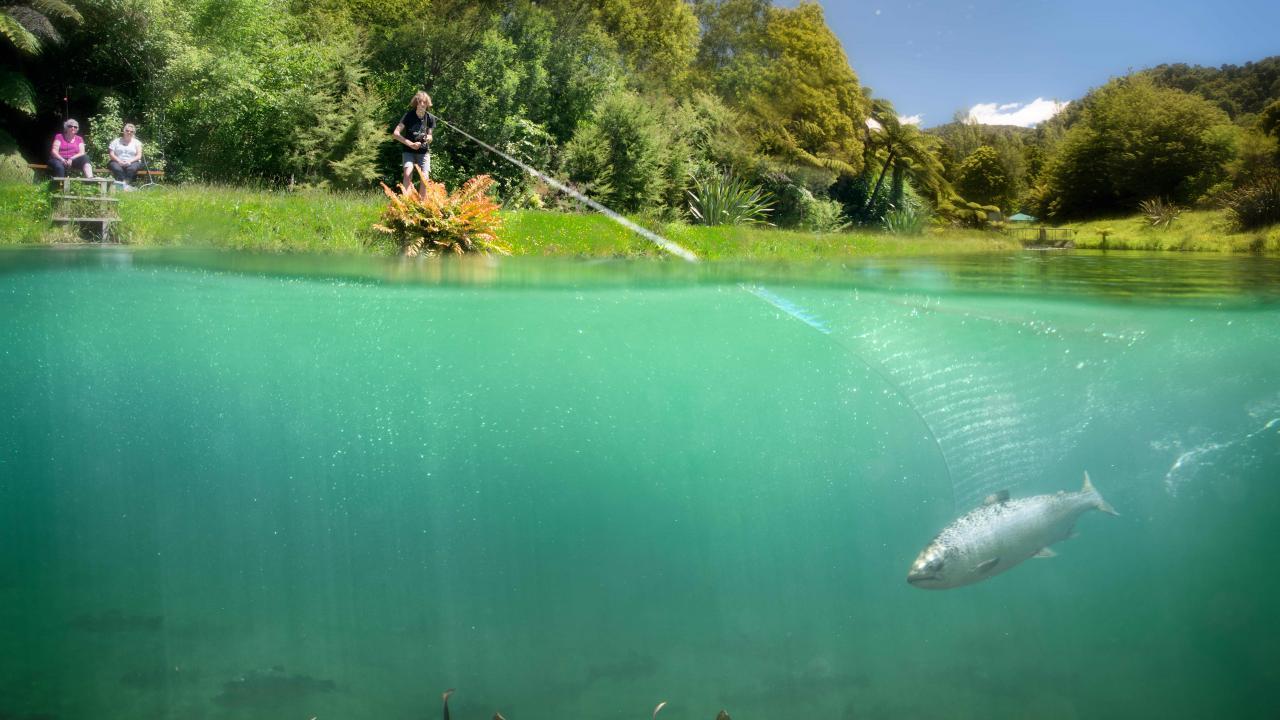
(416, 128)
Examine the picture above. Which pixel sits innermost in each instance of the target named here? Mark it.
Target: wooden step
(86, 219)
(93, 198)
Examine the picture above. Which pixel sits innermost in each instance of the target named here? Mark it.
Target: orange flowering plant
(438, 221)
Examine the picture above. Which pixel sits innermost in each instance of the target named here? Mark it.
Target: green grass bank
(276, 221)
(1193, 231)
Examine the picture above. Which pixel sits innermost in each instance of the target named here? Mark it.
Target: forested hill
(1240, 90)
(1109, 149)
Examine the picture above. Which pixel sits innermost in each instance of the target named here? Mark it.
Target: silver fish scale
(1015, 529)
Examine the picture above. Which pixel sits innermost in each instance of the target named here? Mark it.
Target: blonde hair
(127, 127)
(420, 97)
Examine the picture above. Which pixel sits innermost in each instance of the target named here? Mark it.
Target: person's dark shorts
(422, 160)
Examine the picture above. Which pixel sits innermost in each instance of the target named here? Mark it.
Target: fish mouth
(914, 579)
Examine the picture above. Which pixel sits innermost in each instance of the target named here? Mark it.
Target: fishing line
(781, 303)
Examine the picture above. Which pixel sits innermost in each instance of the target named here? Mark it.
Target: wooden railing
(1044, 236)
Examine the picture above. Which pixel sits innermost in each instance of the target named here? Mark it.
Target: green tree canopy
(807, 106)
(982, 178)
(1136, 141)
(659, 38)
(1269, 120)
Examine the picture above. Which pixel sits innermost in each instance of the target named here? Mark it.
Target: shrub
(728, 200)
(101, 130)
(1159, 212)
(1256, 205)
(13, 169)
(463, 221)
(628, 155)
(825, 216)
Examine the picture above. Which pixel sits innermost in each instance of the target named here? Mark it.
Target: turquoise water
(244, 487)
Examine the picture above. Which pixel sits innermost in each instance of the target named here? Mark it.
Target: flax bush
(728, 200)
(1255, 206)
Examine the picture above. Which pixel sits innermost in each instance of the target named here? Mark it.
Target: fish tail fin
(1098, 502)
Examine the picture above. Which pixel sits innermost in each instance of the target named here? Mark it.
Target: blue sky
(932, 58)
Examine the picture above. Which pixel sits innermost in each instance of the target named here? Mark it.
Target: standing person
(68, 151)
(414, 132)
(126, 156)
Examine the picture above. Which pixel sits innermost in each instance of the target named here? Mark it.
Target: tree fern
(17, 93)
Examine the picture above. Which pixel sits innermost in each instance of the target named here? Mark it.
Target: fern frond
(17, 93)
(17, 33)
(56, 8)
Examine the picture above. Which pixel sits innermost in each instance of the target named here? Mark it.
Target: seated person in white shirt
(126, 155)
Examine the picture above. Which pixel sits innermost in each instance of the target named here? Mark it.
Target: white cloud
(1032, 113)
(904, 119)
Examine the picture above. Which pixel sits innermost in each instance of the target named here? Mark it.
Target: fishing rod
(671, 247)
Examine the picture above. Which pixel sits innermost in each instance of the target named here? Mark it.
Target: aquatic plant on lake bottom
(437, 221)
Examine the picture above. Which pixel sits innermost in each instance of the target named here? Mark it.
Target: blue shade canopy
(1021, 217)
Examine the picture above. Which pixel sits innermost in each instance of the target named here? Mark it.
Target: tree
(659, 38)
(807, 105)
(256, 102)
(1136, 141)
(982, 178)
(28, 28)
(487, 97)
(908, 151)
(732, 52)
(1269, 121)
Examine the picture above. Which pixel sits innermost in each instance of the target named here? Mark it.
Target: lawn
(313, 221)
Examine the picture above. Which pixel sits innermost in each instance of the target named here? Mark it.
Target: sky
(1017, 61)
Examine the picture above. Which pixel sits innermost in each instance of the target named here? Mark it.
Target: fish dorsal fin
(988, 566)
(1045, 553)
(996, 498)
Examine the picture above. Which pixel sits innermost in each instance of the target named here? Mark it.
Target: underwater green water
(240, 487)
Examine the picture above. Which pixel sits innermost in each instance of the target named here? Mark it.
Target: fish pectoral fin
(1045, 553)
(989, 565)
(996, 498)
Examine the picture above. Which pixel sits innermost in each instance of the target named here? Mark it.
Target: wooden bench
(150, 173)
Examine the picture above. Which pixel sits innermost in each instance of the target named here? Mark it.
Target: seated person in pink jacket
(68, 151)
